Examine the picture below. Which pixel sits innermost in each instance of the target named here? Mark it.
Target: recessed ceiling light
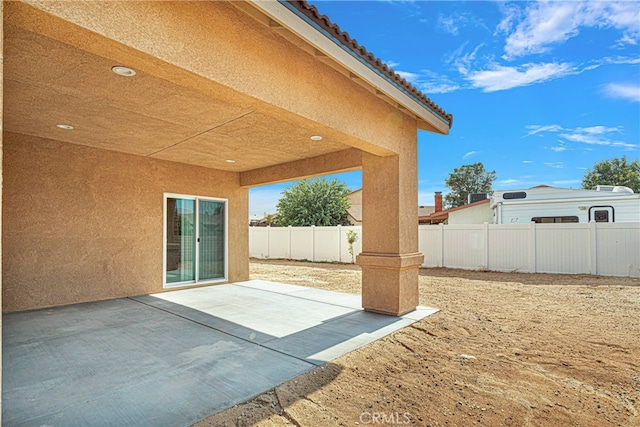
(230, 161)
(316, 138)
(65, 127)
(123, 71)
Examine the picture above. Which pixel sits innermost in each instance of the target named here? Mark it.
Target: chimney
(438, 201)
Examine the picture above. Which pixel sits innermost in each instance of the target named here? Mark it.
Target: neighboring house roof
(343, 37)
(426, 210)
(442, 216)
(356, 212)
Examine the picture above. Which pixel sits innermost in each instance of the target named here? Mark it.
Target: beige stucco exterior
(84, 224)
(225, 97)
(389, 199)
(1, 184)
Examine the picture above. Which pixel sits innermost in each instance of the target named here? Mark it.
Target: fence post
(441, 263)
(290, 254)
(532, 248)
(593, 248)
(339, 243)
(486, 246)
(268, 242)
(313, 243)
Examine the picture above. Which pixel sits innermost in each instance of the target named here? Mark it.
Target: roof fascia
(289, 17)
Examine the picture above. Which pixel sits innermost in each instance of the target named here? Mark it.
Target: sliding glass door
(195, 240)
(211, 240)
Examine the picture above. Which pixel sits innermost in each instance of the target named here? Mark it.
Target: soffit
(47, 82)
(324, 39)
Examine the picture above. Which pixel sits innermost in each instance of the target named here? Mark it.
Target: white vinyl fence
(606, 249)
(328, 244)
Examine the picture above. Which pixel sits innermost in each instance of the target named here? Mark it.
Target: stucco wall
(473, 215)
(84, 224)
(1, 175)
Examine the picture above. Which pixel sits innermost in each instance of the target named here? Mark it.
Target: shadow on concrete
(145, 360)
(276, 401)
(317, 344)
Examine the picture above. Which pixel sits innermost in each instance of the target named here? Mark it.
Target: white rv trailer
(545, 204)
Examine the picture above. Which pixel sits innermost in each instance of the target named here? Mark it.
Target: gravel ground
(506, 349)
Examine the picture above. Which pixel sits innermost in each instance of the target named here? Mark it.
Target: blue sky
(540, 91)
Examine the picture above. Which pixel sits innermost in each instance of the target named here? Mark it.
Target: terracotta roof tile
(343, 37)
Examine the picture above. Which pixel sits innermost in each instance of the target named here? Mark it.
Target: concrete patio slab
(174, 358)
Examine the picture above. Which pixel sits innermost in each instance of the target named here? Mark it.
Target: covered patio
(132, 132)
(174, 358)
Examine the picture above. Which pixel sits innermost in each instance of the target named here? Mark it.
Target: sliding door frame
(196, 261)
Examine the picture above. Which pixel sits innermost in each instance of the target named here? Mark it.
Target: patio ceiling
(49, 82)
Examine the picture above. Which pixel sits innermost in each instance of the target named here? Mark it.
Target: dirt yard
(506, 349)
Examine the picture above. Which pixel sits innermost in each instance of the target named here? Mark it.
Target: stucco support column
(1, 176)
(390, 257)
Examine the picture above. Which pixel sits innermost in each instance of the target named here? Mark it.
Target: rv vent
(622, 189)
(515, 195)
(476, 197)
(614, 188)
(604, 188)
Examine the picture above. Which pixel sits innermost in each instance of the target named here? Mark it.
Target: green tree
(613, 172)
(314, 202)
(465, 180)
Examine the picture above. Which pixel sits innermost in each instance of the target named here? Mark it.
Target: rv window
(554, 219)
(515, 195)
(601, 216)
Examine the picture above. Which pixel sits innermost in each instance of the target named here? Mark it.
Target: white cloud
(555, 165)
(410, 77)
(463, 61)
(434, 87)
(496, 77)
(558, 148)
(430, 82)
(448, 25)
(611, 60)
(502, 78)
(545, 23)
(527, 162)
(549, 23)
(561, 147)
(511, 14)
(627, 91)
(534, 129)
(426, 81)
(509, 182)
(629, 147)
(452, 24)
(594, 135)
(591, 135)
(566, 182)
(536, 28)
(620, 60)
(470, 153)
